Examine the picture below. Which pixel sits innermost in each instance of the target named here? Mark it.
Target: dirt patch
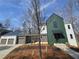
(32, 52)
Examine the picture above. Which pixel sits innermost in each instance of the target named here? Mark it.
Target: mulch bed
(32, 52)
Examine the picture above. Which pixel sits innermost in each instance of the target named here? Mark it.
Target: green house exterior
(55, 30)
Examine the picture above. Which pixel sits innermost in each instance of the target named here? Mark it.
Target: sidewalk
(3, 53)
(71, 52)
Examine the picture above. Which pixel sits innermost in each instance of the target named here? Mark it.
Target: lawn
(32, 52)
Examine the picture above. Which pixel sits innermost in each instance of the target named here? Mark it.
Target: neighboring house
(3, 30)
(70, 35)
(44, 33)
(9, 38)
(44, 29)
(58, 32)
(55, 30)
(13, 38)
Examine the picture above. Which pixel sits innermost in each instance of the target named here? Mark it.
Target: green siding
(55, 28)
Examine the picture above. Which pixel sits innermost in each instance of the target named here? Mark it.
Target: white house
(70, 35)
(44, 33)
(44, 29)
(8, 39)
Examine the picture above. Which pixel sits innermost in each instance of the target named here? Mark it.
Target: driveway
(4, 50)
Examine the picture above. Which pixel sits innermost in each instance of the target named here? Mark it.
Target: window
(68, 26)
(71, 36)
(3, 41)
(55, 24)
(10, 41)
(43, 28)
(58, 36)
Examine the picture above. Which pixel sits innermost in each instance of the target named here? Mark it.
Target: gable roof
(48, 20)
(4, 31)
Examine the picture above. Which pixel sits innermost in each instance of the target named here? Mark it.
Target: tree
(7, 23)
(70, 14)
(24, 20)
(76, 2)
(35, 14)
(36, 17)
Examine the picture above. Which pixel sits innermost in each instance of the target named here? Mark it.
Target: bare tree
(7, 23)
(36, 16)
(25, 23)
(70, 14)
(76, 3)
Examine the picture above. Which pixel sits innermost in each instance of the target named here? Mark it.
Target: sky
(14, 9)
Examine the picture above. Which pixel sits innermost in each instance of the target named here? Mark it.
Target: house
(4, 31)
(70, 35)
(43, 29)
(13, 38)
(44, 33)
(59, 32)
(9, 38)
(55, 30)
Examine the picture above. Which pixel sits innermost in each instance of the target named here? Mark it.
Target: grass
(32, 52)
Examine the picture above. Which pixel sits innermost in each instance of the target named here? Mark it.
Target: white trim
(7, 42)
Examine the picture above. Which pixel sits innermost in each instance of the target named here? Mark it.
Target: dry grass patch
(32, 52)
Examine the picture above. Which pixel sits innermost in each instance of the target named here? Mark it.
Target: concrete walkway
(3, 53)
(71, 52)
